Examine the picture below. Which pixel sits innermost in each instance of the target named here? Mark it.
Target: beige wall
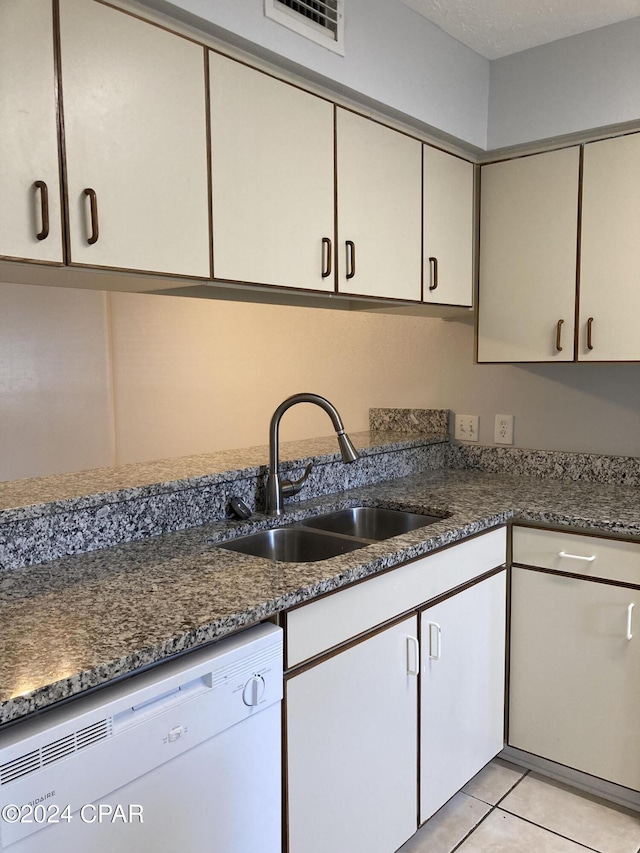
(90, 379)
(591, 408)
(55, 381)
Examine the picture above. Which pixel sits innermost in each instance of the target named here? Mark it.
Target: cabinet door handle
(44, 209)
(577, 557)
(433, 270)
(590, 333)
(326, 261)
(630, 621)
(93, 203)
(559, 335)
(435, 631)
(351, 258)
(413, 656)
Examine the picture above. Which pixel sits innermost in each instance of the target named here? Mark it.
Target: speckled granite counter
(52, 517)
(89, 618)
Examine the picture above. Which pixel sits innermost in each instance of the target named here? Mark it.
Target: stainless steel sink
(293, 545)
(369, 522)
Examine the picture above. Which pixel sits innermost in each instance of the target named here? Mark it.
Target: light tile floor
(505, 809)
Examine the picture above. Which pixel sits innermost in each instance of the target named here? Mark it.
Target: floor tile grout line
(515, 785)
(473, 829)
(492, 808)
(552, 831)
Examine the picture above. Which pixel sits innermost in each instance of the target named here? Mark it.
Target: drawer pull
(629, 621)
(577, 557)
(435, 631)
(559, 335)
(413, 656)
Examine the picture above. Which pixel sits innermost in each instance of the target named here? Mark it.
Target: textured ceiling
(495, 28)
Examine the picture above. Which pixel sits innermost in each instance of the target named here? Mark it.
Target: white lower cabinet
(351, 747)
(352, 712)
(461, 690)
(575, 672)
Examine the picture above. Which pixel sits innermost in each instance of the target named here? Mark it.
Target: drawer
(332, 620)
(577, 554)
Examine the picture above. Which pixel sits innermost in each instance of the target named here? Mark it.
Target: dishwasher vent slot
(90, 734)
(20, 767)
(58, 749)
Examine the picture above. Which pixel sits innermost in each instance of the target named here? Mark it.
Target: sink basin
(292, 545)
(369, 522)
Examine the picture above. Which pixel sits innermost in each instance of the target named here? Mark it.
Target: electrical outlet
(466, 428)
(503, 433)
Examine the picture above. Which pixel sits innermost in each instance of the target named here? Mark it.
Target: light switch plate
(466, 428)
(503, 433)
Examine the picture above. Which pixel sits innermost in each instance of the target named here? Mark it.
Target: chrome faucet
(278, 489)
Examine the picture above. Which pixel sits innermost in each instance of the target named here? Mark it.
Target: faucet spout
(278, 489)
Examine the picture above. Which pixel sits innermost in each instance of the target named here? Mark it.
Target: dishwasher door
(185, 757)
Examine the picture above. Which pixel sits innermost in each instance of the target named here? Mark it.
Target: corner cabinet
(136, 143)
(610, 251)
(379, 200)
(449, 226)
(528, 246)
(574, 693)
(30, 205)
(356, 671)
(272, 170)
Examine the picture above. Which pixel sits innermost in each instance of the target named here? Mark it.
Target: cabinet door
(351, 748)
(135, 134)
(272, 165)
(528, 237)
(462, 689)
(574, 694)
(379, 192)
(29, 173)
(448, 228)
(610, 251)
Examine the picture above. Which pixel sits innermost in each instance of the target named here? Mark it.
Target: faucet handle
(292, 487)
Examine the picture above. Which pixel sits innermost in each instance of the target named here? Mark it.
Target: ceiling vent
(322, 21)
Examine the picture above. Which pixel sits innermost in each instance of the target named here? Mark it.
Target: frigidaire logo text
(41, 799)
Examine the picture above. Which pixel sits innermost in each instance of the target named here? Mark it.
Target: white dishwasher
(183, 758)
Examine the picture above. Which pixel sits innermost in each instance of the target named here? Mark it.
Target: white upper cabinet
(136, 143)
(610, 251)
(272, 166)
(30, 213)
(448, 228)
(528, 245)
(379, 191)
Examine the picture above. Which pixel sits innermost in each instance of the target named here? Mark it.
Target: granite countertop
(84, 620)
(41, 496)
